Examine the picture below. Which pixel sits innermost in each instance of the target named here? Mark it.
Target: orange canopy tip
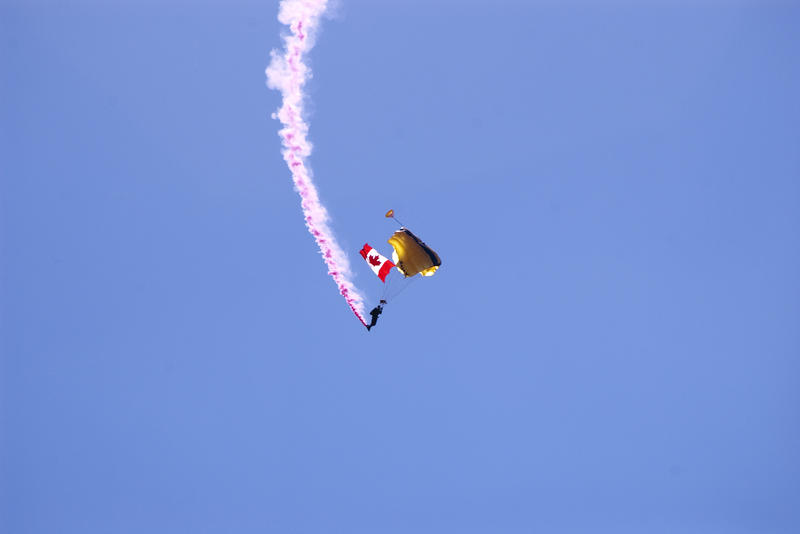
(390, 213)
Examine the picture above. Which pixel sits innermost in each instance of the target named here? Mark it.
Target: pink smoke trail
(288, 74)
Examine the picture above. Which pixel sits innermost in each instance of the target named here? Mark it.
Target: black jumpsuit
(376, 311)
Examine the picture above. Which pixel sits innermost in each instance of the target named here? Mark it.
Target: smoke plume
(287, 73)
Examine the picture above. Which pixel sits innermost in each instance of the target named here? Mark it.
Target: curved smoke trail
(287, 73)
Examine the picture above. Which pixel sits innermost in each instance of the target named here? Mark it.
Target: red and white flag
(379, 264)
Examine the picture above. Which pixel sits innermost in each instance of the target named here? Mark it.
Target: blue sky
(611, 344)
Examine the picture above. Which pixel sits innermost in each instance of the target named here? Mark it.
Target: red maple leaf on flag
(375, 260)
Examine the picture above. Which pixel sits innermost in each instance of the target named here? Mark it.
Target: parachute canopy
(411, 256)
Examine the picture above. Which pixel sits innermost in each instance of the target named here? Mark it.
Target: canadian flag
(379, 264)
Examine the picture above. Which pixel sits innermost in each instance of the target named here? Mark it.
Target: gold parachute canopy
(389, 214)
(411, 256)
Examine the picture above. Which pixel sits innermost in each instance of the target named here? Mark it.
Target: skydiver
(376, 311)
